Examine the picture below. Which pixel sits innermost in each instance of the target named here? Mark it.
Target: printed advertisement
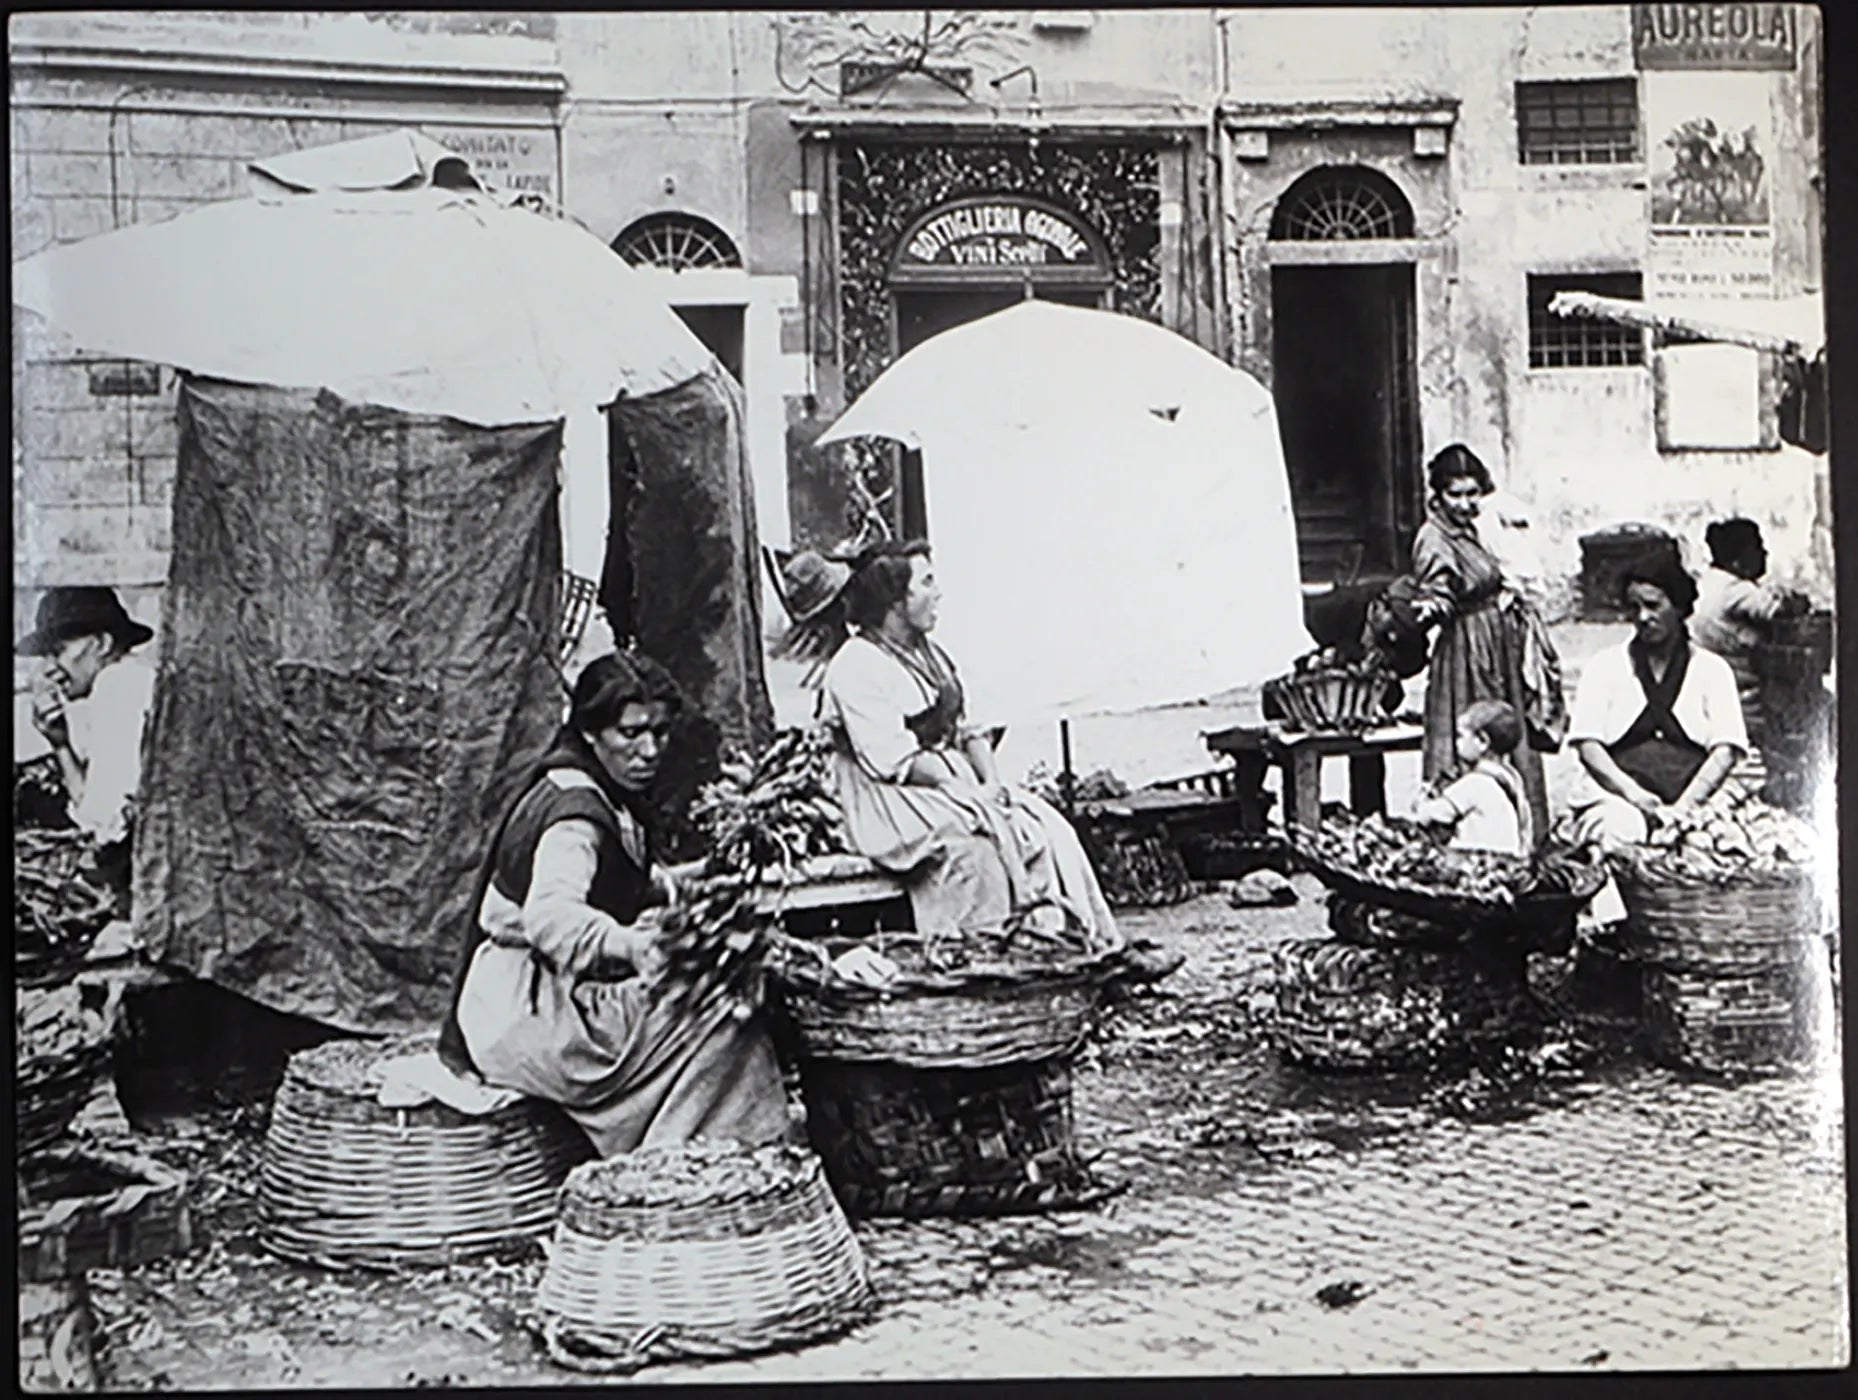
(1709, 137)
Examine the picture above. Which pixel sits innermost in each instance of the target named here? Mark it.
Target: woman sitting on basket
(919, 787)
(556, 996)
(1656, 723)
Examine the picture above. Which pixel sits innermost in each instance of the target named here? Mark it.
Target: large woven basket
(905, 1141)
(704, 1251)
(971, 1019)
(1345, 1007)
(1735, 1024)
(345, 1181)
(92, 1208)
(1759, 922)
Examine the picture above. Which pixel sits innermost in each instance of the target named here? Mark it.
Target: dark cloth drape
(358, 635)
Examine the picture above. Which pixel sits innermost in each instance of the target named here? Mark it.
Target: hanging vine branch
(944, 50)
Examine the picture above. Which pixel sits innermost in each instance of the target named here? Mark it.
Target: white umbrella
(1109, 508)
(353, 271)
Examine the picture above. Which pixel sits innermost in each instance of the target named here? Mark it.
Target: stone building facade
(1369, 221)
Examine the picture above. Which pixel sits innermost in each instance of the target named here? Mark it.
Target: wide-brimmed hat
(808, 582)
(76, 611)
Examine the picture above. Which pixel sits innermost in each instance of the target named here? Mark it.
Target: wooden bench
(1255, 748)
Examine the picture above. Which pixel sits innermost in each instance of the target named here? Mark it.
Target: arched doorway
(970, 257)
(1343, 358)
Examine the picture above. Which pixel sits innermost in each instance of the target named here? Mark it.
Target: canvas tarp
(687, 591)
(359, 633)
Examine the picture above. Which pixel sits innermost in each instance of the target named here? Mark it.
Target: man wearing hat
(92, 708)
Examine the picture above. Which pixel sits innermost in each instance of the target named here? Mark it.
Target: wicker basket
(49, 1093)
(705, 1251)
(95, 1209)
(1760, 922)
(1371, 926)
(1734, 1024)
(1328, 700)
(903, 1141)
(1341, 1006)
(1135, 860)
(346, 1182)
(972, 1019)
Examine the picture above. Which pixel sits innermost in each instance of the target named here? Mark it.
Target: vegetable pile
(698, 1173)
(762, 815)
(1402, 854)
(57, 907)
(1736, 837)
(352, 1066)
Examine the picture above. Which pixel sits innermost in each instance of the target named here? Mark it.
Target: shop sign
(509, 158)
(1714, 36)
(998, 233)
(1711, 218)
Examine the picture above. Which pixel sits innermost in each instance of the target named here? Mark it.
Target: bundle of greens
(760, 819)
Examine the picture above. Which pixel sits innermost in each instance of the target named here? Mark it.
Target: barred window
(1571, 342)
(1593, 121)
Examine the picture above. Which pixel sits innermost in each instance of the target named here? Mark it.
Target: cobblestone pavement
(1609, 1216)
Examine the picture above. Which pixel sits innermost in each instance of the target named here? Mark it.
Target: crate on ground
(1347, 1007)
(1734, 1024)
(85, 1207)
(899, 1140)
(346, 1181)
(697, 1252)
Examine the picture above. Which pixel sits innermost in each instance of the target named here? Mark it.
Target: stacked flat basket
(947, 1094)
(346, 1181)
(697, 1252)
(1734, 973)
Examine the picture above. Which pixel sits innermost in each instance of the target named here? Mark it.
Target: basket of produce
(59, 906)
(1345, 1007)
(1405, 866)
(1324, 694)
(1729, 1024)
(62, 1056)
(1371, 926)
(90, 1208)
(703, 1251)
(958, 1000)
(346, 1181)
(1731, 888)
(898, 1140)
(1136, 861)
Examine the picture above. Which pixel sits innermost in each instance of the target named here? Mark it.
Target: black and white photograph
(774, 697)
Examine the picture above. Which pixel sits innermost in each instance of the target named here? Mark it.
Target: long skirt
(976, 867)
(633, 1070)
(1478, 656)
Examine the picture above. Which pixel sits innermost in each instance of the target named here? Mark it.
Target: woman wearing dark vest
(918, 784)
(1656, 722)
(556, 996)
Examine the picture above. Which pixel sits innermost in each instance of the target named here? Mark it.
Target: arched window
(676, 241)
(1342, 201)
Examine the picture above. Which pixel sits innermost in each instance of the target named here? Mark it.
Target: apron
(1655, 751)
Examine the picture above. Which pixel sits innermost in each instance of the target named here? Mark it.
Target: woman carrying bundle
(557, 996)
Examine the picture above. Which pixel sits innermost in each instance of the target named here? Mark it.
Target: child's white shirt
(1485, 819)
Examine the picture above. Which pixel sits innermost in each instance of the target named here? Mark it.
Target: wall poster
(1710, 141)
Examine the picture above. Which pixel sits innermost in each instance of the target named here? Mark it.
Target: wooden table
(1255, 748)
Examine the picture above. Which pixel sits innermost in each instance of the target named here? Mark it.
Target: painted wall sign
(995, 233)
(1711, 226)
(1715, 36)
(511, 158)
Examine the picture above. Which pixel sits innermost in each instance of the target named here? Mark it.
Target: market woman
(919, 786)
(556, 997)
(1736, 611)
(1656, 723)
(1491, 643)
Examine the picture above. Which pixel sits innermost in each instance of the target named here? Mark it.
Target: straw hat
(808, 582)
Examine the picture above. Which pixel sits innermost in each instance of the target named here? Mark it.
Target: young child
(1485, 806)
